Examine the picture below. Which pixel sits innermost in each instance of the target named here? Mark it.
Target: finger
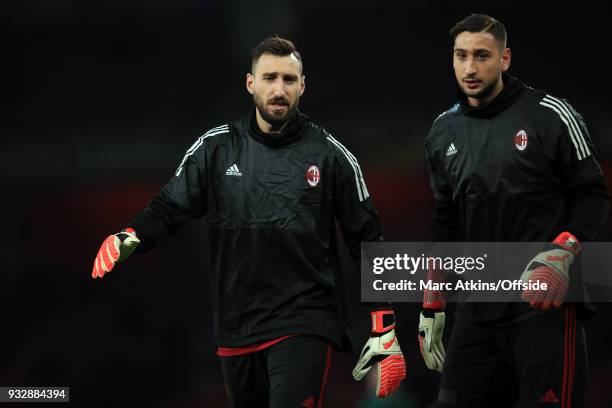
(428, 358)
(94, 271)
(535, 301)
(360, 373)
(552, 296)
(438, 355)
(539, 296)
(113, 247)
(107, 261)
(99, 266)
(528, 296)
(428, 343)
(392, 371)
(421, 340)
(546, 297)
(394, 385)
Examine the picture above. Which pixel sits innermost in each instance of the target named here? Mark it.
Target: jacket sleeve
(582, 174)
(182, 198)
(445, 225)
(354, 210)
(353, 207)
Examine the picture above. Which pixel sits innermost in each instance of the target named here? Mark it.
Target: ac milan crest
(313, 176)
(520, 140)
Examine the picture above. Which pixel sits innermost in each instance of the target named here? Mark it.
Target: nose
(279, 88)
(470, 66)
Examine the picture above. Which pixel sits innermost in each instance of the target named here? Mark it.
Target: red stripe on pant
(327, 365)
(572, 353)
(569, 346)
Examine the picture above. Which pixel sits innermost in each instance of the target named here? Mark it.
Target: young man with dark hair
(510, 163)
(272, 186)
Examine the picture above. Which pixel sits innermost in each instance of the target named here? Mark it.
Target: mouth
(278, 105)
(472, 83)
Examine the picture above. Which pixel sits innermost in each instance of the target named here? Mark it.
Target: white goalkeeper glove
(382, 350)
(431, 328)
(115, 248)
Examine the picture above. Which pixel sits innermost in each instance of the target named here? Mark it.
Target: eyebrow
(290, 76)
(476, 50)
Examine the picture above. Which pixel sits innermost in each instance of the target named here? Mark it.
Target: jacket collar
(513, 88)
(291, 133)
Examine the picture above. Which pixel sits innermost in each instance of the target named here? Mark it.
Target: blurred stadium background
(101, 99)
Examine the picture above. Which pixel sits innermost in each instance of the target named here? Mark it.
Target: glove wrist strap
(382, 321)
(568, 241)
(431, 313)
(125, 233)
(434, 299)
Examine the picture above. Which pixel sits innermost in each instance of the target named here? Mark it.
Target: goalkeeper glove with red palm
(551, 267)
(115, 248)
(383, 350)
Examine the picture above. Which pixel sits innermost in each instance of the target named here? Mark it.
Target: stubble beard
(275, 121)
(482, 94)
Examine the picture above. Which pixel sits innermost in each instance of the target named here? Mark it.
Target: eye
(482, 55)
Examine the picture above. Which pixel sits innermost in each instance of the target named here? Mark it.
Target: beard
(275, 120)
(484, 93)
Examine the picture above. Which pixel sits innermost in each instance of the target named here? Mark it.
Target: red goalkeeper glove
(115, 248)
(551, 267)
(383, 350)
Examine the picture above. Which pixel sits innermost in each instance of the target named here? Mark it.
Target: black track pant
(289, 374)
(540, 362)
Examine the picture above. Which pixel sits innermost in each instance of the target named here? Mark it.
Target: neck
(476, 102)
(268, 127)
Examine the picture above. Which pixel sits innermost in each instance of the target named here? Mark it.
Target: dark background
(102, 98)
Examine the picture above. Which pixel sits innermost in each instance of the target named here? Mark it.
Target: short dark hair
(276, 46)
(481, 23)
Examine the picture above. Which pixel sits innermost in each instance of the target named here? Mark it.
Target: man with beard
(510, 163)
(272, 186)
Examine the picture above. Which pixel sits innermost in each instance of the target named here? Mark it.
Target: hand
(431, 328)
(551, 268)
(115, 248)
(383, 350)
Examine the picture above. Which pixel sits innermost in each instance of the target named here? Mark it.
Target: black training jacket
(271, 203)
(521, 168)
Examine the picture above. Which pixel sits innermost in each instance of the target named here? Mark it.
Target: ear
(250, 79)
(506, 56)
(303, 85)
